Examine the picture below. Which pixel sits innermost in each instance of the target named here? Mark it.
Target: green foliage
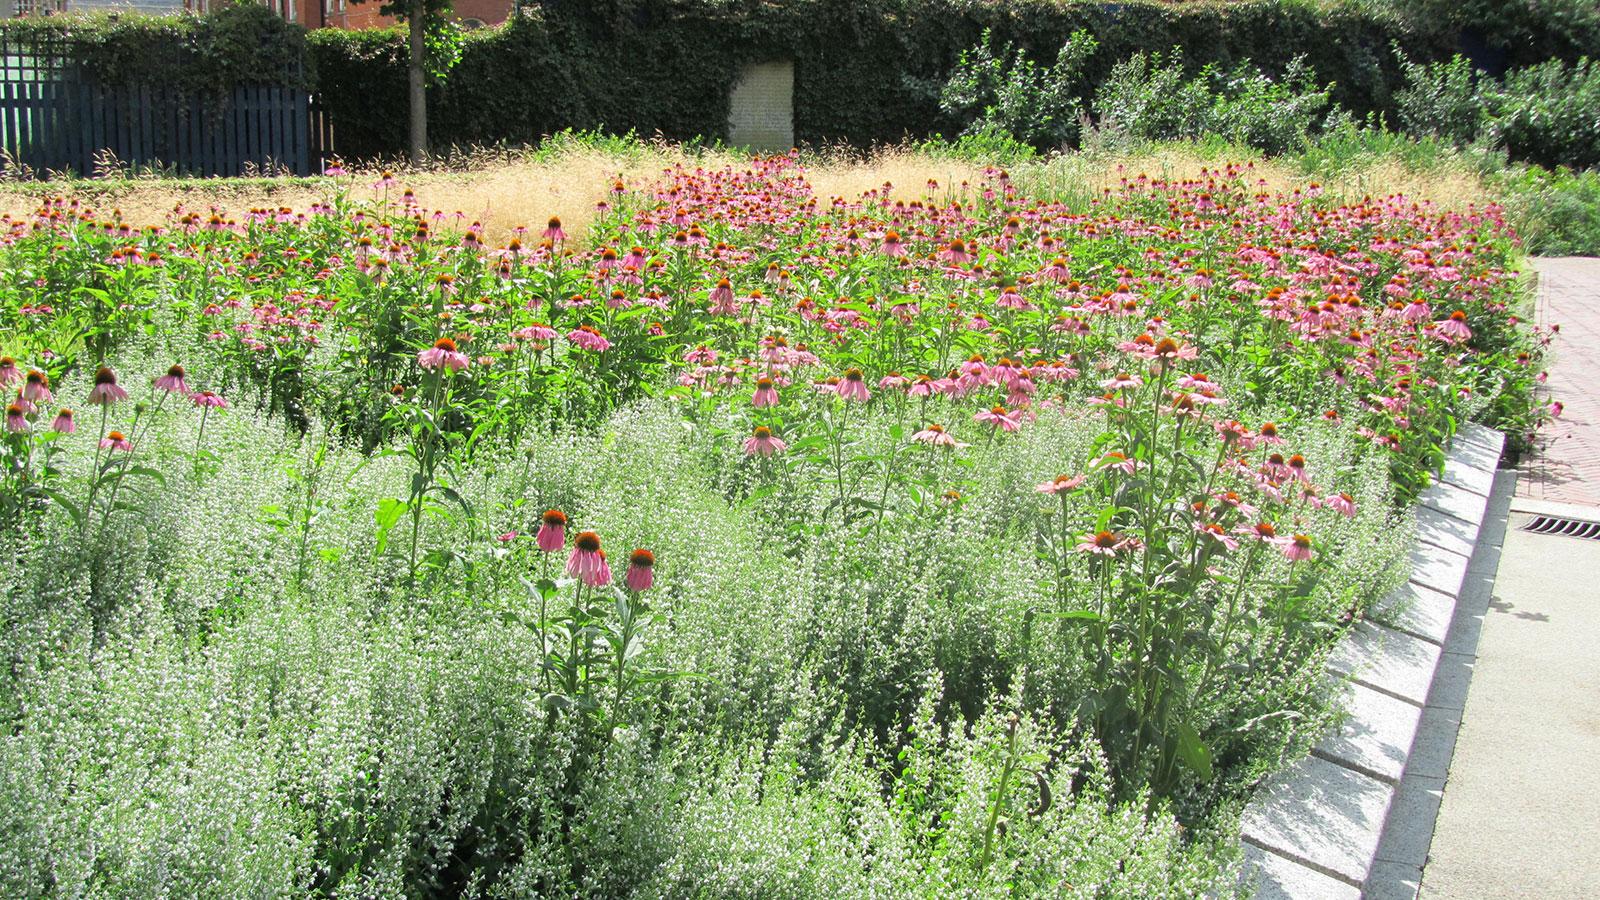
(1515, 32)
(1557, 212)
(236, 44)
(1550, 113)
(1148, 98)
(1010, 93)
(1547, 114)
(1442, 99)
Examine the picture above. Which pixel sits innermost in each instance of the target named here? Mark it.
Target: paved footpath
(1569, 296)
(1520, 811)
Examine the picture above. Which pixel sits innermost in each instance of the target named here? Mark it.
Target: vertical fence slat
(301, 164)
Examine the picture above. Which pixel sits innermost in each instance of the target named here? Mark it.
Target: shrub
(1010, 93)
(1148, 98)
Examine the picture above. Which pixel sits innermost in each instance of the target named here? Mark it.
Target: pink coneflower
(173, 382)
(586, 337)
(1343, 503)
(16, 421)
(1261, 530)
(588, 562)
(955, 253)
(1296, 466)
(1123, 381)
(552, 534)
(1297, 548)
(443, 353)
(1117, 461)
(893, 380)
(1060, 484)
(892, 245)
(763, 443)
(37, 387)
(106, 391)
(1232, 500)
(766, 394)
(1106, 543)
(115, 440)
(722, 301)
(1198, 381)
(1216, 534)
(1269, 435)
(853, 386)
(998, 417)
(63, 423)
(936, 436)
(1454, 328)
(641, 570)
(8, 371)
(553, 230)
(208, 400)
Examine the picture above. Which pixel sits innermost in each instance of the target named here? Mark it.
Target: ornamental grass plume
(641, 570)
(588, 562)
(552, 534)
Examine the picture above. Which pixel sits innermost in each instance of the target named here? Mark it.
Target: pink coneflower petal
(552, 534)
(641, 570)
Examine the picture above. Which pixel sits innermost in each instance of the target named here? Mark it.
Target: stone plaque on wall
(761, 114)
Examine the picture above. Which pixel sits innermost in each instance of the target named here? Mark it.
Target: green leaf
(1194, 753)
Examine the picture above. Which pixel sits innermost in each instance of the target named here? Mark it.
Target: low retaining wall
(1313, 831)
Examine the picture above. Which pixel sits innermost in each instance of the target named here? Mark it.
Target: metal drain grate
(1569, 527)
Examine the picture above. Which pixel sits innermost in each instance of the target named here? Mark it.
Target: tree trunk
(417, 146)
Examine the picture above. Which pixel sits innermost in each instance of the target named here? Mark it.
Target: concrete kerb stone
(1315, 830)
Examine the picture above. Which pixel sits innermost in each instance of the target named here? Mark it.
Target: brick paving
(1568, 471)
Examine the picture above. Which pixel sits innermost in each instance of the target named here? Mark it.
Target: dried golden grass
(527, 189)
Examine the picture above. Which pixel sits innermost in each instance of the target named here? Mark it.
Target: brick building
(311, 13)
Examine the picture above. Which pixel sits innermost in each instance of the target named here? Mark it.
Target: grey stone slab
(1272, 877)
(1420, 610)
(1435, 743)
(1451, 681)
(1376, 736)
(1389, 660)
(1438, 568)
(1483, 436)
(1393, 881)
(1478, 481)
(1449, 532)
(1323, 814)
(1455, 501)
(1478, 456)
(1408, 831)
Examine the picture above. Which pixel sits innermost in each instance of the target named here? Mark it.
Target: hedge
(865, 70)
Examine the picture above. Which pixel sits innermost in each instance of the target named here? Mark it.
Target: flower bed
(985, 545)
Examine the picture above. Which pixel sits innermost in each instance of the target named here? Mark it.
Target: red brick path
(1569, 469)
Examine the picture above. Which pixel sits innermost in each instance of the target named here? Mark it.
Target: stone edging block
(1312, 832)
